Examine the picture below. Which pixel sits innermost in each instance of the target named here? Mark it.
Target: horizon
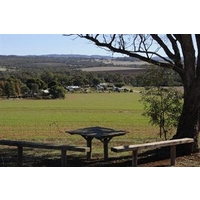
(68, 55)
(47, 44)
(52, 44)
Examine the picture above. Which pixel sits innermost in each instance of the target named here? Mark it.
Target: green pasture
(47, 120)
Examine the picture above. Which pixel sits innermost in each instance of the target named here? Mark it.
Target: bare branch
(163, 45)
(112, 39)
(175, 47)
(121, 50)
(96, 36)
(140, 46)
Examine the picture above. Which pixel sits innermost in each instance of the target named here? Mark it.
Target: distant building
(103, 84)
(45, 91)
(100, 88)
(72, 88)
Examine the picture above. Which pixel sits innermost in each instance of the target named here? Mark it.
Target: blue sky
(60, 16)
(40, 44)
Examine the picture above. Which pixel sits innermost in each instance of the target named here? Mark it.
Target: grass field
(47, 120)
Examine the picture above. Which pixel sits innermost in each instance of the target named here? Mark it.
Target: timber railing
(135, 148)
(63, 148)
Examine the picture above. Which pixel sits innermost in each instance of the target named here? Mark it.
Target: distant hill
(66, 61)
(72, 56)
(75, 56)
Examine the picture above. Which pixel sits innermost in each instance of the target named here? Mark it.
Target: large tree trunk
(189, 121)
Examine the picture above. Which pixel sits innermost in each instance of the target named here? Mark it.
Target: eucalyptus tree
(180, 52)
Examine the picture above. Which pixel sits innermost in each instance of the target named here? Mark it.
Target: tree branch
(163, 45)
(140, 45)
(175, 48)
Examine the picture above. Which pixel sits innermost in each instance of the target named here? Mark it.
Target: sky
(35, 28)
(42, 44)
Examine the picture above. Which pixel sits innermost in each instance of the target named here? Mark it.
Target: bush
(57, 91)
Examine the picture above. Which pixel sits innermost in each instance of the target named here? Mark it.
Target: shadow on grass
(157, 158)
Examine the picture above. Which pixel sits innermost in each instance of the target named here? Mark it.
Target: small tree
(57, 91)
(162, 103)
(163, 107)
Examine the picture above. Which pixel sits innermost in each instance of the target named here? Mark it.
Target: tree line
(35, 82)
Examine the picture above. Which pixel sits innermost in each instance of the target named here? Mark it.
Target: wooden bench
(63, 148)
(135, 148)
